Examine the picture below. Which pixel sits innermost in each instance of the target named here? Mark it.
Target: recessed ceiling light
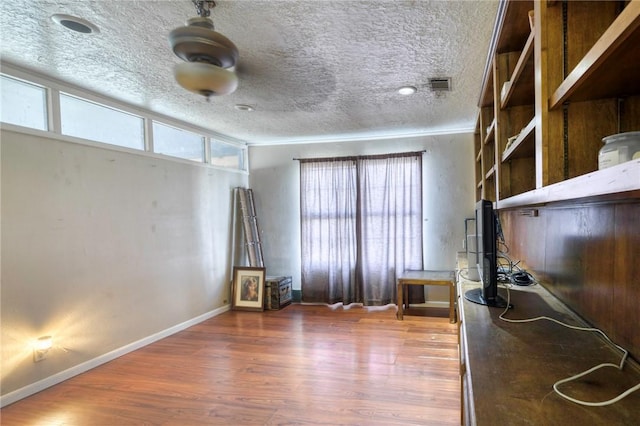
(407, 90)
(243, 107)
(74, 23)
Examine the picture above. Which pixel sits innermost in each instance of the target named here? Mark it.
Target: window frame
(53, 88)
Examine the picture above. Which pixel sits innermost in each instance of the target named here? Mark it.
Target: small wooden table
(446, 278)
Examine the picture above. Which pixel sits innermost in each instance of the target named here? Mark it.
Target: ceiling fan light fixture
(205, 79)
(207, 55)
(407, 90)
(198, 42)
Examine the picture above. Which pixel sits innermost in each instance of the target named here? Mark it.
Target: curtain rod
(362, 157)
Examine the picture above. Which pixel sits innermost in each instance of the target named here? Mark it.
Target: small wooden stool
(446, 278)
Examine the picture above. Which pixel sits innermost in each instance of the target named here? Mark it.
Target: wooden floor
(300, 365)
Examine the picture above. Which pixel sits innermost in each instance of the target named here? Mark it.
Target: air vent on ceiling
(440, 84)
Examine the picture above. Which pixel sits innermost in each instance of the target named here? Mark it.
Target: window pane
(178, 143)
(88, 120)
(23, 104)
(227, 155)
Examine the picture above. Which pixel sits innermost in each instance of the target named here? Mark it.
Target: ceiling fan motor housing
(207, 55)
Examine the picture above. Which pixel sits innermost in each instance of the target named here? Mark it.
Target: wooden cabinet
(552, 90)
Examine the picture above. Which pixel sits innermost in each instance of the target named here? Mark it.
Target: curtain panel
(361, 220)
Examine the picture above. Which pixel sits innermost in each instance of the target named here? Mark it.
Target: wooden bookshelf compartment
(599, 96)
(521, 84)
(524, 145)
(514, 122)
(610, 68)
(514, 27)
(490, 173)
(490, 137)
(488, 158)
(523, 176)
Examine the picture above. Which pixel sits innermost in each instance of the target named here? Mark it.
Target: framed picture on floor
(247, 291)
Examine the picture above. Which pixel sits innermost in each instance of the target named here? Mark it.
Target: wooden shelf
(523, 146)
(602, 184)
(478, 156)
(490, 133)
(521, 84)
(490, 173)
(611, 67)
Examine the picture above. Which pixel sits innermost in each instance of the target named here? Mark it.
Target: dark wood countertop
(513, 366)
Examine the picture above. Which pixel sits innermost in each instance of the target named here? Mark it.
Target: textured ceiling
(311, 69)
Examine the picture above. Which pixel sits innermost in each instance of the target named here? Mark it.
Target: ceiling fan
(209, 56)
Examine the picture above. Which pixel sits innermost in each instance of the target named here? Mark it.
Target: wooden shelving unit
(561, 87)
(514, 106)
(573, 79)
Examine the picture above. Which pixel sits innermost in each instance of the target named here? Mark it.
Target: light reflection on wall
(71, 333)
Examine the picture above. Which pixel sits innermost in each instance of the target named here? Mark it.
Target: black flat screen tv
(486, 234)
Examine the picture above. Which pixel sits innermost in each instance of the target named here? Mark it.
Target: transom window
(23, 104)
(179, 143)
(227, 155)
(89, 120)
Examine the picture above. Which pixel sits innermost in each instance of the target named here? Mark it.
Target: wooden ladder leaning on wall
(250, 227)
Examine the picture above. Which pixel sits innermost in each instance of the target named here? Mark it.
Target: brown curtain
(361, 221)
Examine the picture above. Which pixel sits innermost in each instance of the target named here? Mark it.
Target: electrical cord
(584, 373)
(460, 274)
(511, 272)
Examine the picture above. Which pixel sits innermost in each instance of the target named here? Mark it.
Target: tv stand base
(475, 296)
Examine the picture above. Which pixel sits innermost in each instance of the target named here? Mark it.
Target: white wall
(448, 196)
(102, 248)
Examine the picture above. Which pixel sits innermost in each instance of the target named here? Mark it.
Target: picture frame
(247, 292)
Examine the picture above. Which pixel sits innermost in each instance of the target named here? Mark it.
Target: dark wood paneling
(630, 114)
(581, 15)
(585, 133)
(525, 236)
(586, 255)
(626, 312)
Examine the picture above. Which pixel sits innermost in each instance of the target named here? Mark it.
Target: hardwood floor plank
(300, 365)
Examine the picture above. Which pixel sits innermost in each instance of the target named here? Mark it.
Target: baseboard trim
(40, 385)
